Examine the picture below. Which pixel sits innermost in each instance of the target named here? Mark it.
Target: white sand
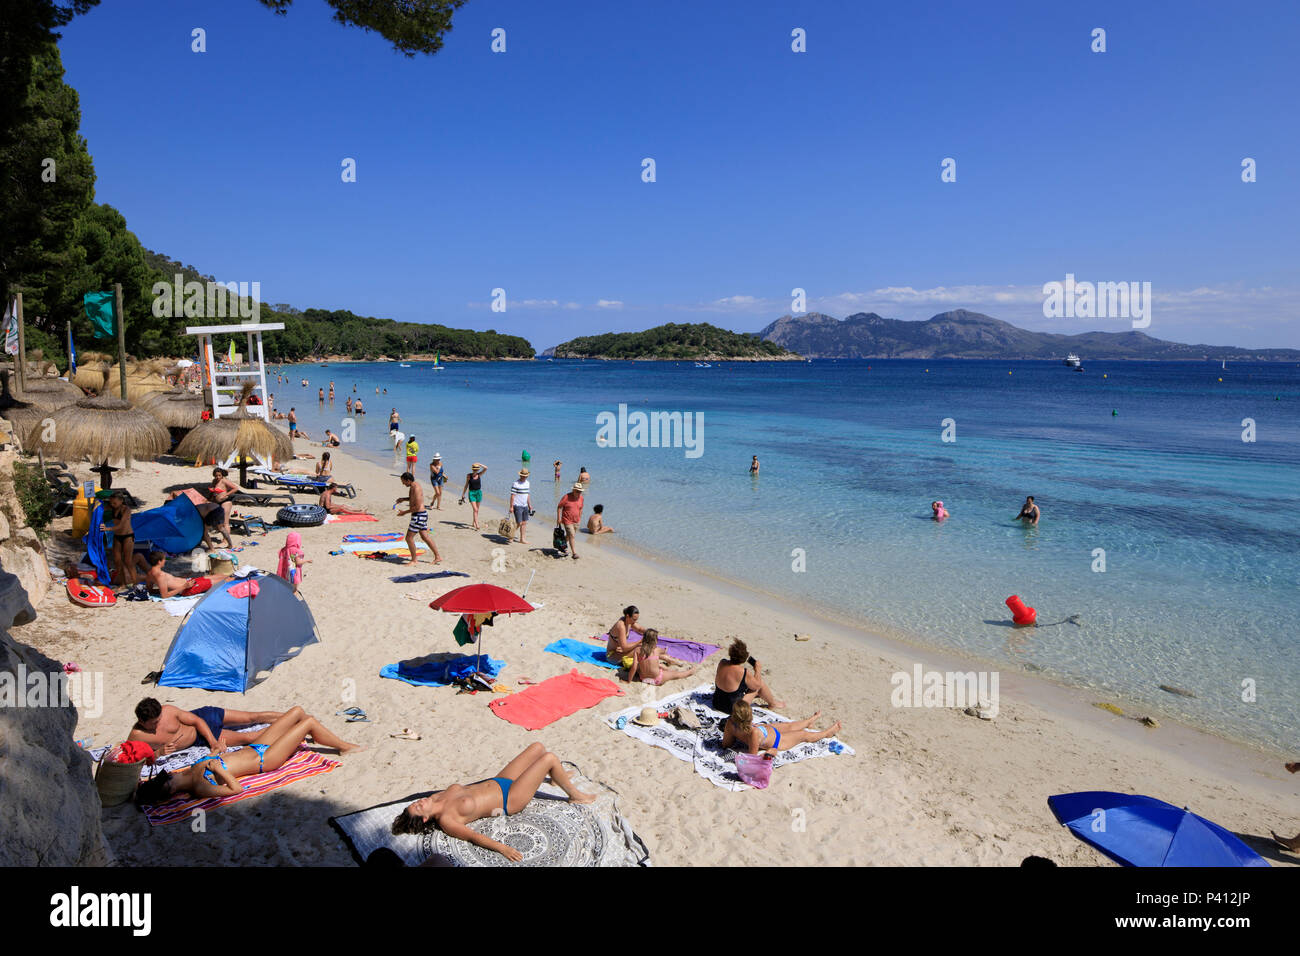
(928, 786)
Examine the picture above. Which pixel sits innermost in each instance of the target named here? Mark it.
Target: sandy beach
(927, 786)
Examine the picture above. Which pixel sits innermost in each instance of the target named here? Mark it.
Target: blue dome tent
(176, 527)
(231, 643)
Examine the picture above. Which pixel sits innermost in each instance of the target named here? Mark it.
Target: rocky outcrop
(49, 808)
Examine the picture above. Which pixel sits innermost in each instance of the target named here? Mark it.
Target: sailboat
(1225, 364)
(437, 360)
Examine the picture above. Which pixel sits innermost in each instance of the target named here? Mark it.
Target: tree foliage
(411, 26)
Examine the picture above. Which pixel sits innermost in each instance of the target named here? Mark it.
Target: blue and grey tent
(176, 527)
(95, 552)
(231, 643)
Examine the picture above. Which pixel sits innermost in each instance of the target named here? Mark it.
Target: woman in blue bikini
(453, 809)
(218, 775)
(741, 731)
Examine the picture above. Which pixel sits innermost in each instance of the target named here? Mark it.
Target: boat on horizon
(437, 360)
(1073, 361)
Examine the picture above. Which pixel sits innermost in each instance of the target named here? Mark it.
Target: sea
(1167, 552)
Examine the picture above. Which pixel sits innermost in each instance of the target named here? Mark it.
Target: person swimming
(940, 512)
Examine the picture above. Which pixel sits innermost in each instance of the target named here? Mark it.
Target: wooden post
(120, 321)
(69, 350)
(22, 344)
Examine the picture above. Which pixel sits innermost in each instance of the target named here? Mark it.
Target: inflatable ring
(300, 516)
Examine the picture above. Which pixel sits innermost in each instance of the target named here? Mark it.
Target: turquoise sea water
(1199, 528)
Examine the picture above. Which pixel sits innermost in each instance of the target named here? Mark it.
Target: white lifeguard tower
(221, 384)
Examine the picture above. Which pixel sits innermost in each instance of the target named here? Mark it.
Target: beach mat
(703, 747)
(427, 576)
(380, 536)
(426, 673)
(580, 651)
(335, 519)
(303, 764)
(375, 547)
(554, 698)
(691, 652)
(550, 831)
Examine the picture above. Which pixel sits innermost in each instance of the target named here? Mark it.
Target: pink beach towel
(554, 698)
(334, 519)
(303, 764)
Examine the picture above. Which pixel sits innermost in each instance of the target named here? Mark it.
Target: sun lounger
(303, 482)
(263, 499)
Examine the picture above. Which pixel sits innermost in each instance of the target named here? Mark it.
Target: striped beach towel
(303, 764)
(381, 536)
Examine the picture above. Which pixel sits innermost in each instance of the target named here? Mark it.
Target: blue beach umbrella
(1134, 830)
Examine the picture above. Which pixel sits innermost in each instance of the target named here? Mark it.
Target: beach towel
(703, 747)
(580, 651)
(381, 536)
(440, 673)
(176, 606)
(429, 576)
(550, 831)
(292, 546)
(397, 546)
(554, 698)
(334, 519)
(691, 652)
(303, 764)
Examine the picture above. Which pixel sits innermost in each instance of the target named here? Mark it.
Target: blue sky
(775, 169)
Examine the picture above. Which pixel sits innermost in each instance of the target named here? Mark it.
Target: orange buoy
(1021, 616)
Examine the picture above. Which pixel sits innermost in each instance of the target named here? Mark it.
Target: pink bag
(755, 769)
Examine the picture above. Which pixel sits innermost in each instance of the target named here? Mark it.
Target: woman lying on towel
(218, 775)
(741, 731)
(451, 810)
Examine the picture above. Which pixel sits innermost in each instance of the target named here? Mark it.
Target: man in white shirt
(521, 502)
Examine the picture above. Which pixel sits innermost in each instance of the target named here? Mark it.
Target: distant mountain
(700, 342)
(963, 334)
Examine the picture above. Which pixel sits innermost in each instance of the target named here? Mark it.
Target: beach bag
(116, 782)
(559, 540)
(754, 769)
(507, 527)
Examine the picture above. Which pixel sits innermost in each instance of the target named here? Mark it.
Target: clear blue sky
(818, 170)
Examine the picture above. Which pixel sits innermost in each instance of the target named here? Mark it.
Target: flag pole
(120, 321)
(70, 359)
(22, 344)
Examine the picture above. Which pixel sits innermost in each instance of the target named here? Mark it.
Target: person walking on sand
(474, 489)
(521, 502)
(437, 478)
(568, 515)
(1029, 511)
(419, 518)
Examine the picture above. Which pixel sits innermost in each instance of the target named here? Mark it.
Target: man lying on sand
(453, 809)
(169, 585)
(167, 729)
(218, 776)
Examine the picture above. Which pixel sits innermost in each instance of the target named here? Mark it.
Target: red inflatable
(1022, 616)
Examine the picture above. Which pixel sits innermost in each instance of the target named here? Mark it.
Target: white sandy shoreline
(928, 785)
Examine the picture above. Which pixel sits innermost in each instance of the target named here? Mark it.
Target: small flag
(99, 309)
(72, 357)
(11, 327)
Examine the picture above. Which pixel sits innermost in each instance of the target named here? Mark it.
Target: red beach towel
(554, 698)
(303, 764)
(334, 519)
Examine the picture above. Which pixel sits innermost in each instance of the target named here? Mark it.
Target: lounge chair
(263, 499)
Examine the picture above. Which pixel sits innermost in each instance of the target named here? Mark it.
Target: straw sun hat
(523, 472)
(577, 486)
(647, 718)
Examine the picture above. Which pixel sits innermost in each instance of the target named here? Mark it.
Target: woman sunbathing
(732, 682)
(648, 658)
(741, 731)
(218, 775)
(451, 810)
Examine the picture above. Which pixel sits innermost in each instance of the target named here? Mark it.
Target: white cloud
(608, 304)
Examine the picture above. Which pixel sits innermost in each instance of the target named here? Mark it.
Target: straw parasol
(91, 376)
(49, 393)
(175, 409)
(22, 415)
(240, 433)
(103, 429)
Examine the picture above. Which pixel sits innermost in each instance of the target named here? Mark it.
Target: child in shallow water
(940, 512)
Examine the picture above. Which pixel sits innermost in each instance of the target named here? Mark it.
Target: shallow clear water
(1198, 527)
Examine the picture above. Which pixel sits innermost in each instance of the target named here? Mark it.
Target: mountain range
(972, 335)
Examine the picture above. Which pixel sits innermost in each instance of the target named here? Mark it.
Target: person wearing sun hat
(437, 478)
(568, 515)
(474, 489)
(521, 502)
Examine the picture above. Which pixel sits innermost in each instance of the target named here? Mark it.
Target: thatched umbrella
(48, 394)
(22, 415)
(91, 376)
(104, 429)
(238, 432)
(175, 409)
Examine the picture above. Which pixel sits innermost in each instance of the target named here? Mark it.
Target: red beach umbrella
(481, 599)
